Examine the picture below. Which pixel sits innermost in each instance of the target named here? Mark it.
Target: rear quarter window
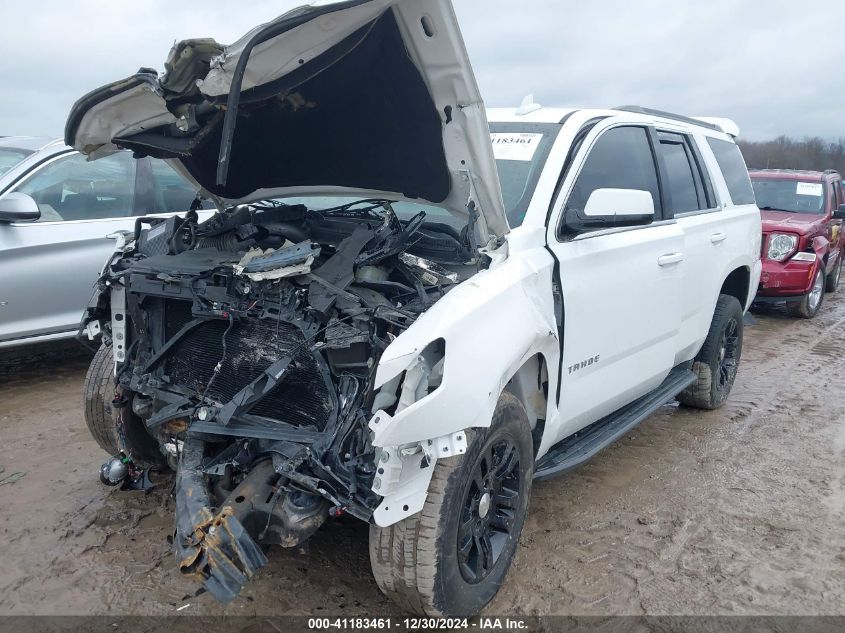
(733, 169)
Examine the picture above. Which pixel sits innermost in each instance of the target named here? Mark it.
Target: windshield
(9, 157)
(794, 196)
(520, 150)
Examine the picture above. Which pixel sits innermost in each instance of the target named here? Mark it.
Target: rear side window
(621, 158)
(733, 169)
(684, 188)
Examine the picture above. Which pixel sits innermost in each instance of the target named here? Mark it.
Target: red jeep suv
(803, 240)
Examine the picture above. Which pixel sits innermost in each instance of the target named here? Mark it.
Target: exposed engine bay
(246, 347)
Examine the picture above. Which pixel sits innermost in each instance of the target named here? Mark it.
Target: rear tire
(416, 562)
(98, 395)
(812, 302)
(716, 364)
(831, 281)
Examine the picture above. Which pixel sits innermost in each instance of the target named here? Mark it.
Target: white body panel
(636, 300)
(621, 319)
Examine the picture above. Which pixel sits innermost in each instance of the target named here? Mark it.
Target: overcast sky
(776, 67)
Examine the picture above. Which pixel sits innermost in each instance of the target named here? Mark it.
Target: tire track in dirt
(735, 511)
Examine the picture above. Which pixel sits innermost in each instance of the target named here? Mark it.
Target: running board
(581, 446)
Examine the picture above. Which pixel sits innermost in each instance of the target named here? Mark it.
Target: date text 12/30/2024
(359, 623)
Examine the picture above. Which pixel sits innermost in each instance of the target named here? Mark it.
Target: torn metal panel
(214, 547)
(510, 299)
(430, 272)
(405, 472)
(221, 546)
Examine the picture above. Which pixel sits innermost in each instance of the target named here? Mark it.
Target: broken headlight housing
(781, 246)
(422, 376)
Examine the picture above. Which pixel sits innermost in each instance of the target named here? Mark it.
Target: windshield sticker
(515, 146)
(809, 189)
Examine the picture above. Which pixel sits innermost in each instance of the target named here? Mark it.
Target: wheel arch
(530, 385)
(737, 284)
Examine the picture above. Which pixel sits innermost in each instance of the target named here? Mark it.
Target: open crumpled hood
(364, 97)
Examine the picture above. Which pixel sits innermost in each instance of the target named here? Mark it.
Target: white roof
(541, 115)
(557, 114)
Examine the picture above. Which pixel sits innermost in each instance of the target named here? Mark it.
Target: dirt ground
(737, 511)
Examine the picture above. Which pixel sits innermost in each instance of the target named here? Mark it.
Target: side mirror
(610, 208)
(18, 207)
(839, 214)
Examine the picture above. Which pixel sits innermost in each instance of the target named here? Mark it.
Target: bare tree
(812, 153)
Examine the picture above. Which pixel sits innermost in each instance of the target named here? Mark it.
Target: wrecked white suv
(371, 326)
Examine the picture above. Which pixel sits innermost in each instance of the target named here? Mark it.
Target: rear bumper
(785, 281)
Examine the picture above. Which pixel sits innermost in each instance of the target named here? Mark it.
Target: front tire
(809, 306)
(451, 558)
(716, 364)
(831, 281)
(98, 394)
(115, 429)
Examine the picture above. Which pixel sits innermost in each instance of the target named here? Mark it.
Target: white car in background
(56, 209)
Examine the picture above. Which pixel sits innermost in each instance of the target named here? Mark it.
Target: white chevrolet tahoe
(391, 316)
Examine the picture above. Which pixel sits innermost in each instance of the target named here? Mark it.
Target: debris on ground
(11, 478)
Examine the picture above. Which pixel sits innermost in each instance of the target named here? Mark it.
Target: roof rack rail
(668, 115)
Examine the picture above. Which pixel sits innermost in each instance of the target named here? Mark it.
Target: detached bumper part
(225, 559)
(222, 548)
(217, 549)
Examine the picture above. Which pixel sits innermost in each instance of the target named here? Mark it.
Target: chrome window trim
(689, 214)
(619, 229)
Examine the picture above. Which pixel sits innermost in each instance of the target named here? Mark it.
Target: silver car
(56, 209)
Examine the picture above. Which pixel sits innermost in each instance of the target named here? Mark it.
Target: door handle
(670, 258)
(718, 237)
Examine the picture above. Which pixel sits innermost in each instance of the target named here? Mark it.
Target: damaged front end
(246, 349)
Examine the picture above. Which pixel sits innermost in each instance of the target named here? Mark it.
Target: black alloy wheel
(728, 354)
(489, 510)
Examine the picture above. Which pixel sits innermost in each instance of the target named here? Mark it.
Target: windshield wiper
(373, 207)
